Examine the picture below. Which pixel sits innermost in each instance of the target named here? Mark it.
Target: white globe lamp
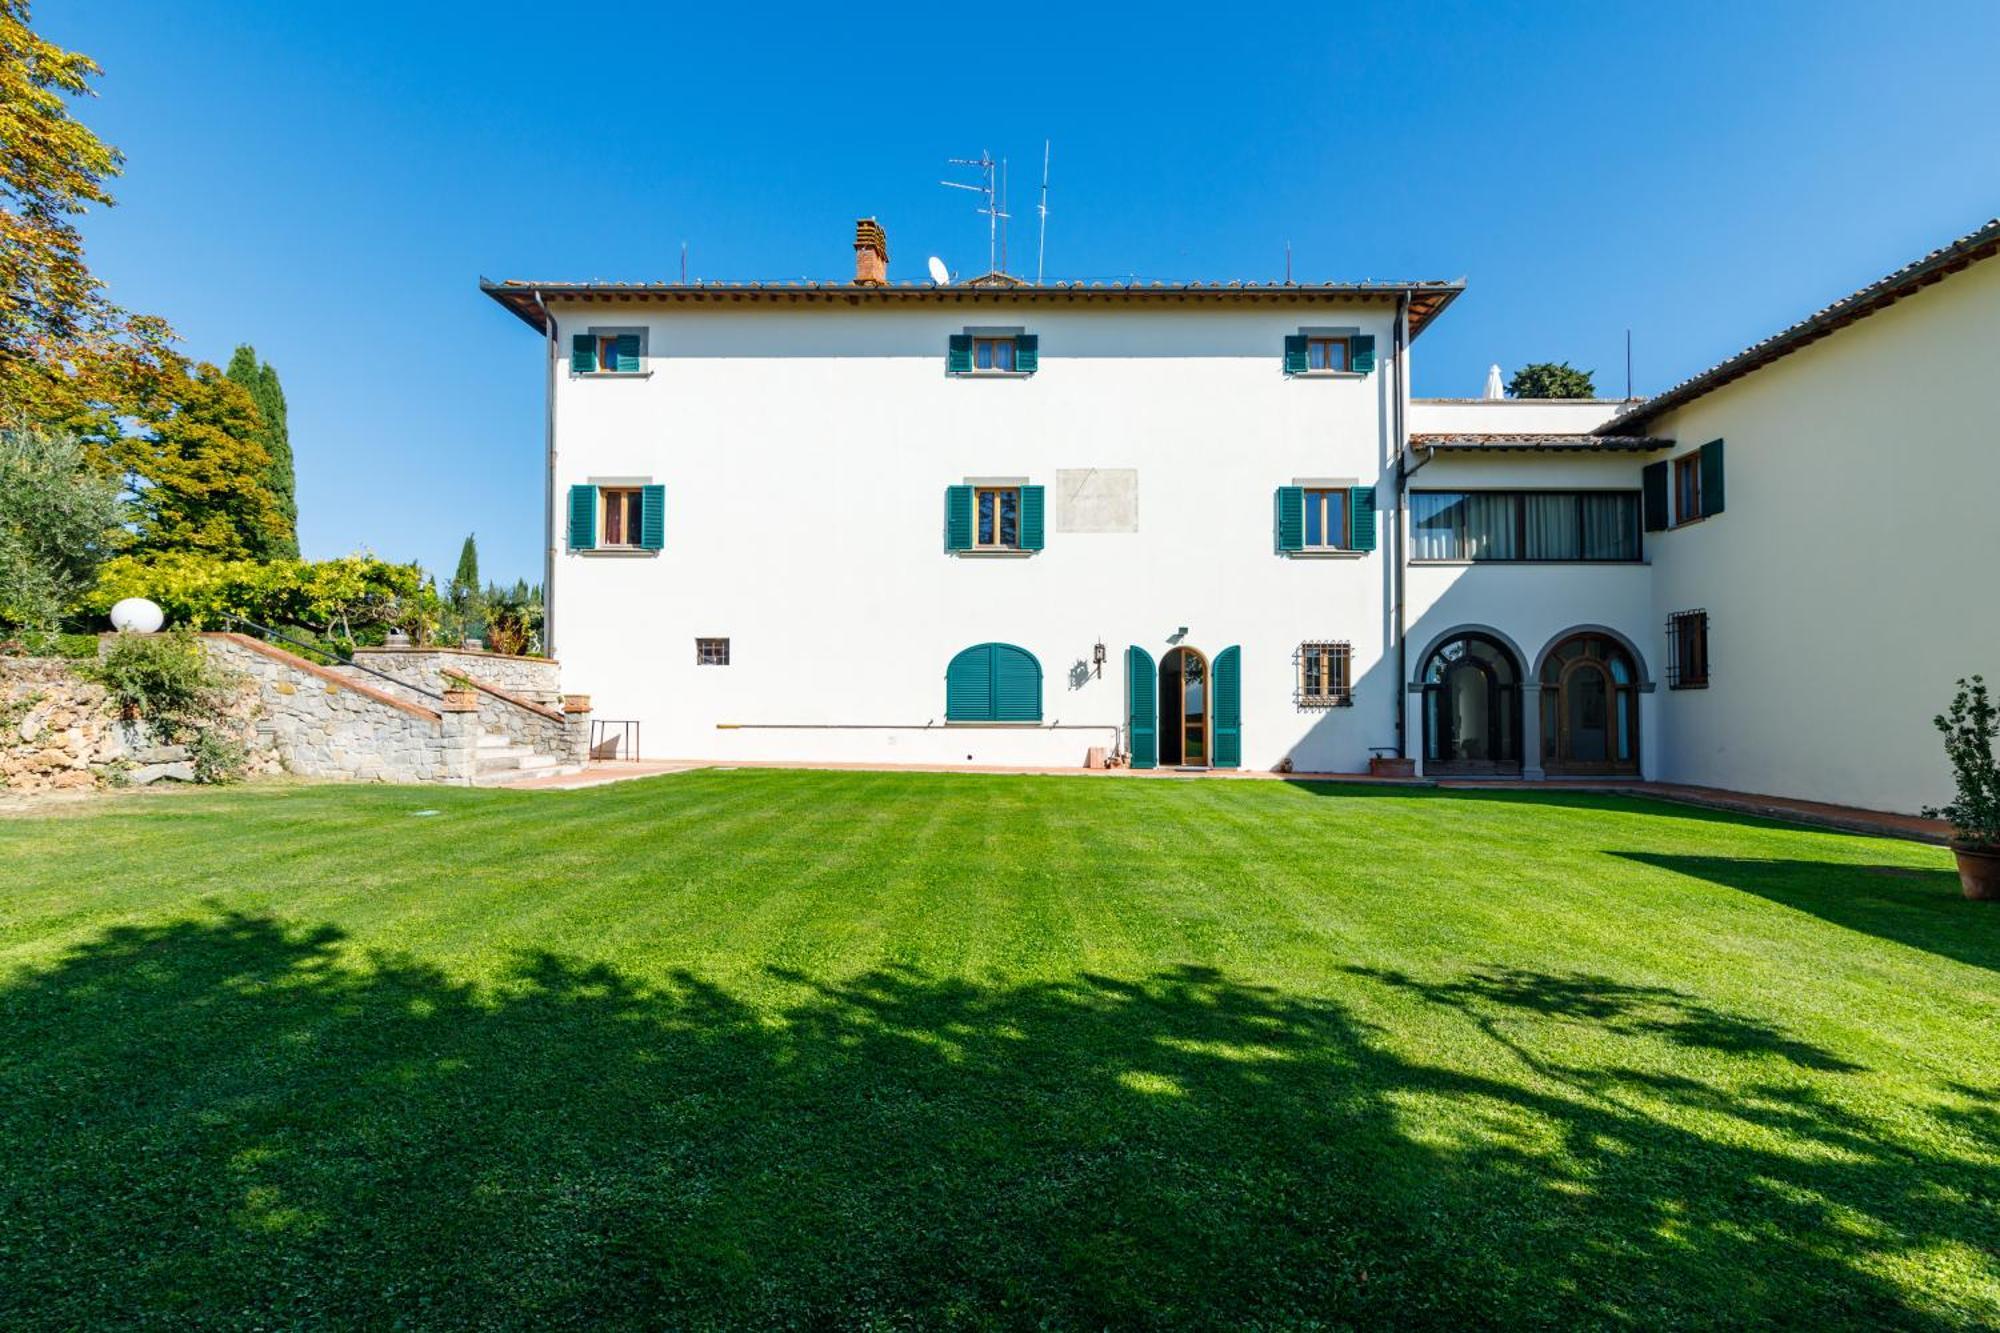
(137, 615)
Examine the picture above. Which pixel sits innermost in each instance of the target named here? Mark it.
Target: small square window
(1326, 354)
(620, 521)
(992, 355)
(711, 652)
(1324, 668)
(1687, 650)
(1326, 521)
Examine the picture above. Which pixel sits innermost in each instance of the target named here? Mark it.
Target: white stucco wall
(1510, 416)
(1852, 577)
(805, 456)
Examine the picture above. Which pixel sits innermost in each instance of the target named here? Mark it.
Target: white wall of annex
(1852, 576)
(1510, 416)
(805, 456)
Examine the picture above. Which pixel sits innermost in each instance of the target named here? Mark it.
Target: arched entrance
(1472, 707)
(1184, 705)
(1590, 707)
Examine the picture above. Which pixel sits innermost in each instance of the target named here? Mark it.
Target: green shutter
(958, 518)
(652, 517)
(582, 518)
(1226, 715)
(1032, 507)
(1653, 483)
(1291, 518)
(1361, 518)
(1017, 684)
(1711, 478)
(1295, 354)
(968, 686)
(1361, 353)
(628, 352)
(1028, 353)
(583, 354)
(1142, 713)
(958, 355)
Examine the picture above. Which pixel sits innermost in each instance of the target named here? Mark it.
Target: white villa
(1207, 525)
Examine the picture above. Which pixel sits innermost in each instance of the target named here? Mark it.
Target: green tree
(260, 381)
(191, 460)
(1550, 379)
(59, 520)
(465, 583)
(57, 330)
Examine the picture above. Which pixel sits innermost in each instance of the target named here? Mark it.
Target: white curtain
(1552, 533)
(1490, 527)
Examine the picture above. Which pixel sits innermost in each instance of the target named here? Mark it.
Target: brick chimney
(871, 254)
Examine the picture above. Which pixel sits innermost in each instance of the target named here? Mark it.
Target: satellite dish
(939, 273)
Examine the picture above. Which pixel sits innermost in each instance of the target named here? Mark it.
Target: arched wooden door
(1590, 707)
(1185, 696)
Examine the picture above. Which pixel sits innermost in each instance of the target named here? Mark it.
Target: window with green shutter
(1315, 352)
(1711, 478)
(1295, 354)
(652, 517)
(1361, 353)
(582, 518)
(958, 354)
(1291, 507)
(993, 682)
(607, 352)
(994, 518)
(1006, 352)
(1653, 484)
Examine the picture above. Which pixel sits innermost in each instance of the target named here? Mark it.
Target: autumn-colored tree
(191, 459)
(62, 344)
(260, 381)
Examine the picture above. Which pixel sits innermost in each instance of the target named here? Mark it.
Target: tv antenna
(1042, 245)
(992, 188)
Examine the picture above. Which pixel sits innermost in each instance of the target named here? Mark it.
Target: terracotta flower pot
(1978, 872)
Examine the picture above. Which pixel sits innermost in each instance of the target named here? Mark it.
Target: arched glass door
(1184, 702)
(1590, 707)
(1472, 707)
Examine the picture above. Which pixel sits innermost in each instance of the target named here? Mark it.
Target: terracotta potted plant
(1975, 815)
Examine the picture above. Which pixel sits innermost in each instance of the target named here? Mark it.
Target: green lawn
(892, 1049)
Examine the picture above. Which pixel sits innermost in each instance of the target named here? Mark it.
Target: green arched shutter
(1227, 715)
(1017, 684)
(968, 686)
(1142, 710)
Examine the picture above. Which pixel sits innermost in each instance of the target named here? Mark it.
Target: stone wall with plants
(325, 724)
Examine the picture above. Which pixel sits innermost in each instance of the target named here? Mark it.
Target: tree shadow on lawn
(1924, 909)
(228, 1120)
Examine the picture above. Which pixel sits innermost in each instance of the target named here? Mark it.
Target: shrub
(1549, 379)
(354, 599)
(169, 682)
(1969, 727)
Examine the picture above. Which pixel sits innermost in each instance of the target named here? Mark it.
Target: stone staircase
(503, 760)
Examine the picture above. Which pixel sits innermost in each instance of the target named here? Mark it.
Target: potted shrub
(1975, 815)
(459, 694)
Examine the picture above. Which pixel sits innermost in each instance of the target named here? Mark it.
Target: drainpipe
(549, 488)
(1400, 693)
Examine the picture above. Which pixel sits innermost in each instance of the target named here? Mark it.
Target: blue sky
(329, 181)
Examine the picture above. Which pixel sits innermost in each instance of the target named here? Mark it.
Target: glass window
(1323, 675)
(1326, 519)
(711, 652)
(621, 516)
(998, 510)
(1326, 353)
(1558, 526)
(993, 354)
(1687, 488)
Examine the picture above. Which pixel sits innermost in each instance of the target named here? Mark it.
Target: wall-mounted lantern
(1097, 658)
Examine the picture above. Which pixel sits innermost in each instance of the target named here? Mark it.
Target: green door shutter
(1226, 716)
(652, 517)
(1028, 353)
(1361, 518)
(1017, 684)
(968, 686)
(1291, 518)
(583, 354)
(958, 518)
(1653, 483)
(1295, 354)
(1361, 353)
(628, 352)
(1711, 478)
(1142, 712)
(958, 355)
(1032, 508)
(582, 518)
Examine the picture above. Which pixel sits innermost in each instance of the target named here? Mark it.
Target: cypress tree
(465, 583)
(261, 382)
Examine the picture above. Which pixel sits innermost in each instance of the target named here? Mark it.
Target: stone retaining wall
(326, 725)
(537, 679)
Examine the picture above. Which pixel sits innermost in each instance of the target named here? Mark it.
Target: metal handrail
(267, 632)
